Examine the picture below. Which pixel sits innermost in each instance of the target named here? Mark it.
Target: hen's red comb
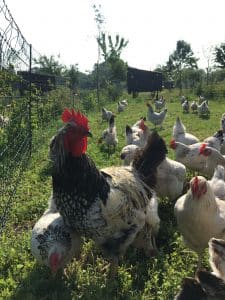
(195, 185)
(142, 125)
(202, 148)
(73, 116)
(172, 144)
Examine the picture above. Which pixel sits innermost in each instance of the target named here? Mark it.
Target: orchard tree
(49, 65)
(220, 55)
(73, 75)
(181, 58)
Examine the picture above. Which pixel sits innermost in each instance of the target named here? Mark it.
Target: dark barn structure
(143, 81)
(43, 82)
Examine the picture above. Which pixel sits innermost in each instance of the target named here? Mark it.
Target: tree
(49, 65)
(99, 19)
(73, 75)
(182, 57)
(110, 50)
(220, 55)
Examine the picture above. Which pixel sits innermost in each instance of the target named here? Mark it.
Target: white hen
(154, 117)
(180, 134)
(200, 215)
(170, 179)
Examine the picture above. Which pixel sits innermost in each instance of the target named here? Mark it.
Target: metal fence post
(30, 103)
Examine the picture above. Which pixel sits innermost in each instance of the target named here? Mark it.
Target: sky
(152, 27)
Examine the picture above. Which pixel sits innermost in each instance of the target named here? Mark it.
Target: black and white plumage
(109, 205)
(52, 243)
(109, 135)
(106, 114)
(203, 109)
(217, 257)
(205, 286)
(121, 107)
(186, 106)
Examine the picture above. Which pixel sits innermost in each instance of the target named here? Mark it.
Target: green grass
(138, 277)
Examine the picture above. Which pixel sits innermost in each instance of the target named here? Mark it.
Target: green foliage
(157, 278)
(49, 65)
(220, 55)
(182, 57)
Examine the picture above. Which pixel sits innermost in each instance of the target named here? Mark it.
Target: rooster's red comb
(73, 116)
(202, 148)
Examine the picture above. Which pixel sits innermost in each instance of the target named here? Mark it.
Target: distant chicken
(154, 117)
(112, 205)
(180, 134)
(124, 102)
(186, 106)
(200, 215)
(53, 243)
(194, 106)
(217, 182)
(106, 114)
(121, 107)
(203, 109)
(109, 135)
(159, 104)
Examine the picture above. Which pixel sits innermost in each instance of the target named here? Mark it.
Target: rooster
(154, 117)
(200, 215)
(180, 134)
(110, 206)
(52, 242)
(217, 182)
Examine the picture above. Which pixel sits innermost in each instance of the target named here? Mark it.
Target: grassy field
(138, 277)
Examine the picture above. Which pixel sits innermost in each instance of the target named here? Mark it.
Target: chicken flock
(118, 208)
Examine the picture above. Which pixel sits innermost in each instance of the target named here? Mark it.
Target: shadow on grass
(204, 117)
(83, 284)
(40, 285)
